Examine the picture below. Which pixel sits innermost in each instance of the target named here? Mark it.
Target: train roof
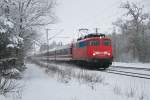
(92, 36)
(62, 47)
(54, 49)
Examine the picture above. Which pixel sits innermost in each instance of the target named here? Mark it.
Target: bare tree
(133, 26)
(137, 23)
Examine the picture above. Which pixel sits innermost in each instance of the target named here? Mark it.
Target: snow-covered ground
(42, 85)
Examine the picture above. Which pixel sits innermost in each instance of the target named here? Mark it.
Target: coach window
(65, 51)
(106, 42)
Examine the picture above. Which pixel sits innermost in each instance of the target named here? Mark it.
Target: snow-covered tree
(28, 14)
(19, 20)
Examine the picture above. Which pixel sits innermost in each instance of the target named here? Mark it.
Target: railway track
(129, 71)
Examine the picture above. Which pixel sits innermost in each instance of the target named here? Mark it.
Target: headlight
(94, 54)
(108, 54)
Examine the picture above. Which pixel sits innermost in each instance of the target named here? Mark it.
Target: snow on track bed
(133, 68)
(130, 69)
(129, 73)
(132, 65)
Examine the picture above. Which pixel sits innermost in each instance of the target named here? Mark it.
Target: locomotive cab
(99, 51)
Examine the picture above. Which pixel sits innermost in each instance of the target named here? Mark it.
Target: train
(94, 50)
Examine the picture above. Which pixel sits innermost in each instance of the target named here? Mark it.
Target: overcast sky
(75, 14)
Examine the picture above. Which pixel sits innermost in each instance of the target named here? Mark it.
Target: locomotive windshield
(107, 42)
(94, 43)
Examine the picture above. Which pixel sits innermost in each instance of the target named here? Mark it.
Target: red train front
(94, 49)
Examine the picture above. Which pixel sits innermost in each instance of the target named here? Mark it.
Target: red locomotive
(92, 49)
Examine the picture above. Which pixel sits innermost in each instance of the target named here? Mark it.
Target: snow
(43, 87)
(7, 59)
(40, 85)
(10, 46)
(16, 40)
(125, 85)
(13, 71)
(138, 65)
(6, 21)
(55, 90)
(20, 39)
(2, 31)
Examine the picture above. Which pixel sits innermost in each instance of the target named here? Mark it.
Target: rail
(133, 73)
